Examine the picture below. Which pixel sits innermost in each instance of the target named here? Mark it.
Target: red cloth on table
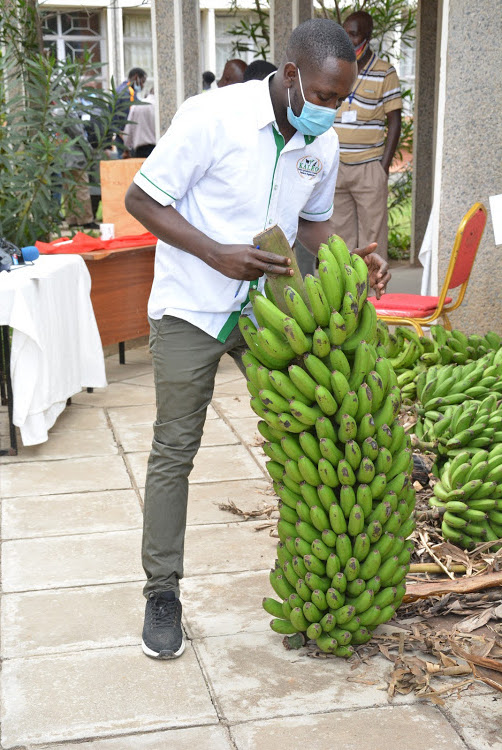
(83, 243)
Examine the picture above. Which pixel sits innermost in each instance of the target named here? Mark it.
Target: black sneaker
(162, 633)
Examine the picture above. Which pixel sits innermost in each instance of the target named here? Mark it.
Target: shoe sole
(163, 654)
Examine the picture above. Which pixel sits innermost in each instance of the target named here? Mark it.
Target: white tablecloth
(56, 349)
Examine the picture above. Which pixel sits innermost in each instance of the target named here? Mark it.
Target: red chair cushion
(406, 305)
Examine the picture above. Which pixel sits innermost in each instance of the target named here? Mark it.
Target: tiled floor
(72, 607)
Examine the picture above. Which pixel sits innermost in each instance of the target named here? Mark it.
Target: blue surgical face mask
(138, 88)
(313, 119)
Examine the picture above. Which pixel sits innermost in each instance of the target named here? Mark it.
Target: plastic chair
(416, 310)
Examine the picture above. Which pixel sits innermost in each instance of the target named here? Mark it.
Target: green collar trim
(309, 139)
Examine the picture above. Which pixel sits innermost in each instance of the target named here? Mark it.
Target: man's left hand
(378, 268)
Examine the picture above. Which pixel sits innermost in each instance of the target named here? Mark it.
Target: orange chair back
(466, 245)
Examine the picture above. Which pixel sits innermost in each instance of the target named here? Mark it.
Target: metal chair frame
(442, 310)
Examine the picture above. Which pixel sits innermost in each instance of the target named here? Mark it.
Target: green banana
(331, 279)
(317, 298)
(318, 370)
(303, 381)
(325, 400)
(299, 310)
(337, 328)
(296, 338)
(366, 330)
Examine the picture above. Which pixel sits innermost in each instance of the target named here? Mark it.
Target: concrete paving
(72, 608)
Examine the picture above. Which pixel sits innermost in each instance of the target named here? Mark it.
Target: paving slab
(207, 738)
(146, 380)
(394, 728)
(225, 604)
(203, 500)
(223, 548)
(123, 417)
(255, 677)
(68, 444)
(230, 388)
(260, 458)
(77, 513)
(211, 464)
(116, 394)
(77, 560)
(227, 368)
(99, 693)
(478, 719)
(234, 407)
(134, 438)
(64, 476)
(247, 430)
(72, 619)
(128, 371)
(76, 417)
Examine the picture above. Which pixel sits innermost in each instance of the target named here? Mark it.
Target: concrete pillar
(424, 123)
(176, 41)
(285, 15)
(115, 67)
(468, 159)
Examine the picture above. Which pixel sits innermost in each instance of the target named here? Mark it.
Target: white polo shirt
(224, 165)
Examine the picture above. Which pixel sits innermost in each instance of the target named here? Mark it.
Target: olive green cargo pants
(185, 360)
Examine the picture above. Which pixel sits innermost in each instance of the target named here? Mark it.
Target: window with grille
(224, 41)
(70, 34)
(138, 50)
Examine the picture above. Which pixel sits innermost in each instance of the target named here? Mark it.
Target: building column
(208, 35)
(286, 15)
(177, 68)
(115, 67)
(424, 125)
(468, 154)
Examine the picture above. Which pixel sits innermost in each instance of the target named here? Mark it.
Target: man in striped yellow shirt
(360, 207)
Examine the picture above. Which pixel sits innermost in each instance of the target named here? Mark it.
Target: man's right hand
(246, 262)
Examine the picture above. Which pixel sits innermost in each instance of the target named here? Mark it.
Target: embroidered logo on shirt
(309, 167)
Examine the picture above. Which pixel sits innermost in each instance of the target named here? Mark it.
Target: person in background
(258, 70)
(267, 154)
(127, 94)
(133, 86)
(366, 153)
(139, 133)
(208, 79)
(233, 72)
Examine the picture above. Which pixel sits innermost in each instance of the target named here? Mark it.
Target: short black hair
(313, 41)
(364, 21)
(136, 72)
(258, 70)
(208, 76)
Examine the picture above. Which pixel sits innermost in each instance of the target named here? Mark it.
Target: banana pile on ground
(411, 354)
(454, 346)
(442, 387)
(339, 461)
(408, 354)
(470, 494)
(467, 439)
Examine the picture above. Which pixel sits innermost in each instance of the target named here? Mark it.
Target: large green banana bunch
(339, 461)
(470, 493)
(442, 387)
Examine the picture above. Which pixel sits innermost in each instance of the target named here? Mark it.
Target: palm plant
(43, 140)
